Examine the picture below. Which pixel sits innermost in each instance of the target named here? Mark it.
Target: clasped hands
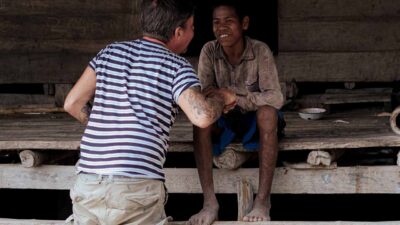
(229, 96)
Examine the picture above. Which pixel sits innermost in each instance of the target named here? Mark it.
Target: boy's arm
(76, 103)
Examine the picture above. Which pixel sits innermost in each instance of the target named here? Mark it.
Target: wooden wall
(339, 40)
(51, 41)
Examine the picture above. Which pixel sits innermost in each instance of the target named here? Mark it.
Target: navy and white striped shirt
(137, 89)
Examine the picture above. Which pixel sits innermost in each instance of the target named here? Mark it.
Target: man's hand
(228, 95)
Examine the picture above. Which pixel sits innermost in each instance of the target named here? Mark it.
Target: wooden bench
(58, 222)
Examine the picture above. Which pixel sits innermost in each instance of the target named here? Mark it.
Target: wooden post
(31, 158)
(245, 198)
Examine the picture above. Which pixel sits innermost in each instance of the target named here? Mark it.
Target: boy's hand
(228, 95)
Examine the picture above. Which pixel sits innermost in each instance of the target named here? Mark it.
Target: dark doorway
(263, 24)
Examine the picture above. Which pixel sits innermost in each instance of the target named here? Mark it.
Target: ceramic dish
(311, 113)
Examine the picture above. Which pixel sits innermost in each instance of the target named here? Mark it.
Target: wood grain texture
(4, 221)
(339, 66)
(360, 129)
(343, 180)
(339, 36)
(310, 9)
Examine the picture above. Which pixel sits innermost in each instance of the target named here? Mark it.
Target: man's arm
(78, 98)
(203, 110)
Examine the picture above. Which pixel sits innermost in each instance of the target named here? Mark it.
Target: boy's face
(227, 27)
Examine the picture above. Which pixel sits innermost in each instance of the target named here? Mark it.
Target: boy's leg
(267, 120)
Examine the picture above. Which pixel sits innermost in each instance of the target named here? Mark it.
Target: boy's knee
(267, 117)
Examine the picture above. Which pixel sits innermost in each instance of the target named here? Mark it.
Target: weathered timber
(394, 120)
(358, 9)
(31, 109)
(48, 27)
(4, 221)
(398, 158)
(25, 99)
(343, 180)
(359, 129)
(245, 198)
(232, 159)
(339, 36)
(32, 158)
(57, 7)
(339, 66)
(342, 96)
(23, 46)
(43, 67)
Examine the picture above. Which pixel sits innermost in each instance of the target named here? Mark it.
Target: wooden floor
(354, 129)
(58, 222)
(345, 130)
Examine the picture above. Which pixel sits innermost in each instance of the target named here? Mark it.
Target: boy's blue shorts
(236, 126)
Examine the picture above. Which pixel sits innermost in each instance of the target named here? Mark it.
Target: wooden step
(346, 130)
(287, 180)
(4, 221)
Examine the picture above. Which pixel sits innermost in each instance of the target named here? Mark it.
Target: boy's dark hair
(160, 18)
(238, 5)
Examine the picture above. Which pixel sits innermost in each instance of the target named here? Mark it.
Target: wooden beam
(339, 67)
(8, 100)
(365, 95)
(61, 132)
(339, 36)
(4, 221)
(57, 7)
(358, 9)
(67, 26)
(86, 46)
(42, 68)
(343, 180)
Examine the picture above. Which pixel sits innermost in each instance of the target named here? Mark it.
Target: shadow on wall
(263, 24)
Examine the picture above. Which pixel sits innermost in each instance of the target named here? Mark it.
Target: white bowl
(311, 113)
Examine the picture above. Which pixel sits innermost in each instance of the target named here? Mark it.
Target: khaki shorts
(112, 200)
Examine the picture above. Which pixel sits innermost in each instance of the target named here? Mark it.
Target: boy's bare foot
(205, 217)
(260, 212)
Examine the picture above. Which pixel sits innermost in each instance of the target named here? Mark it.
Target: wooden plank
(339, 67)
(5, 221)
(347, 130)
(310, 9)
(343, 180)
(339, 36)
(330, 99)
(56, 7)
(25, 99)
(42, 67)
(88, 46)
(48, 27)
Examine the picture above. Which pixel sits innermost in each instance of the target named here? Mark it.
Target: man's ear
(245, 22)
(178, 32)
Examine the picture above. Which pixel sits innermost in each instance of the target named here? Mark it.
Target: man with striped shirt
(138, 87)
